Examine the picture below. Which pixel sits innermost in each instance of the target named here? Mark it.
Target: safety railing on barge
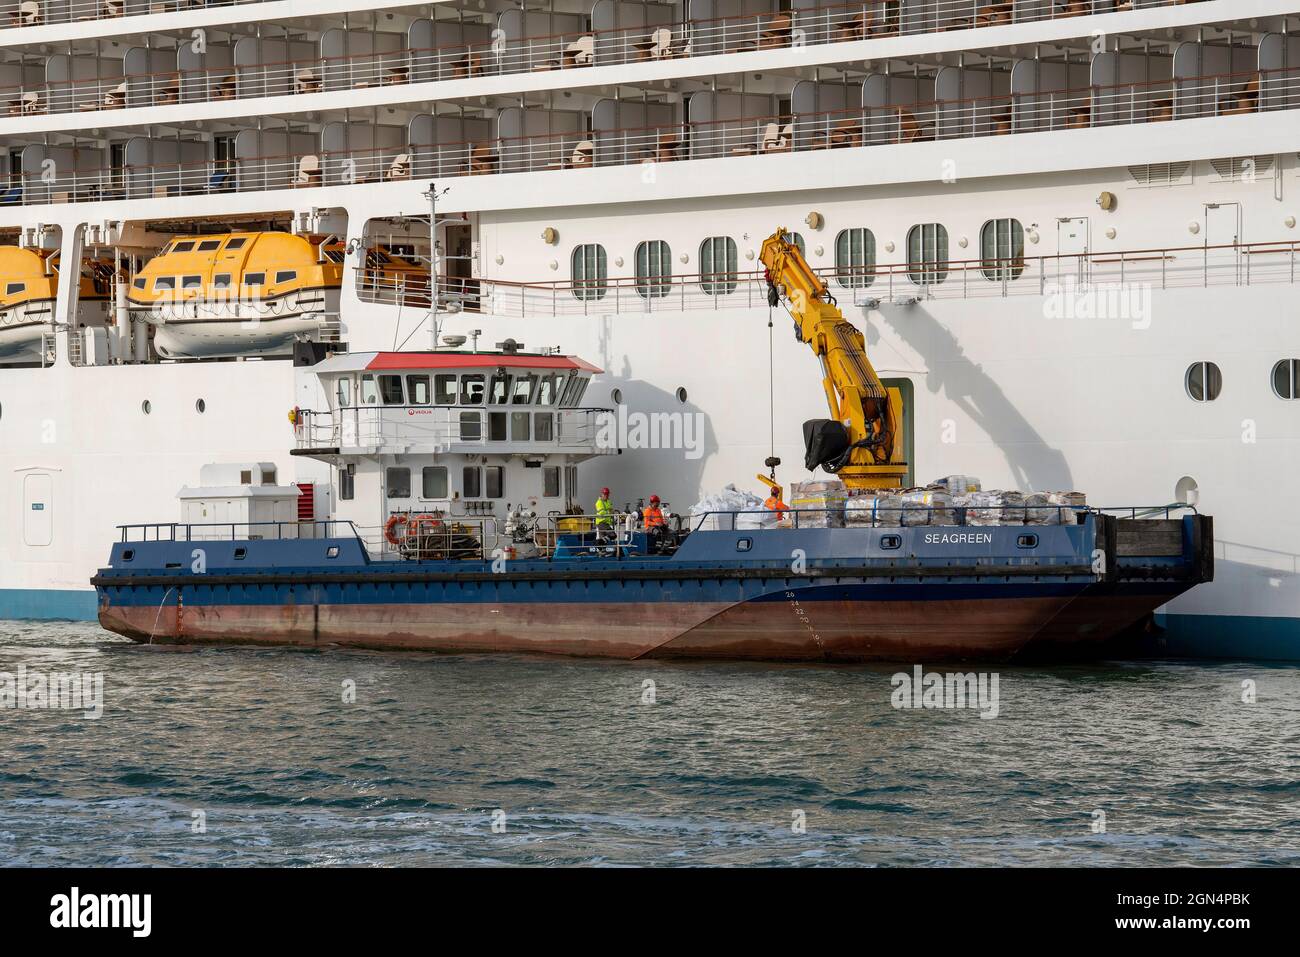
(236, 531)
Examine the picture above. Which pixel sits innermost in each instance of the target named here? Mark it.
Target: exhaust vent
(1160, 174)
(1242, 169)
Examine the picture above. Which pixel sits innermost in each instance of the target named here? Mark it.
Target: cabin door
(458, 264)
(1223, 243)
(1073, 239)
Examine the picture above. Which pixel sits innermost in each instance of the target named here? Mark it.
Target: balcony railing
(1102, 284)
(1229, 94)
(446, 426)
(875, 18)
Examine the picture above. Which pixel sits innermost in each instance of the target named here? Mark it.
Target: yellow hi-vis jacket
(604, 512)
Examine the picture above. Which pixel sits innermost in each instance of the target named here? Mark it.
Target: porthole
(128, 554)
(617, 396)
(1203, 381)
(146, 406)
(332, 552)
(241, 554)
(681, 395)
(200, 406)
(891, 541)
(744, 544)
(1286, 379)
(1027, 541)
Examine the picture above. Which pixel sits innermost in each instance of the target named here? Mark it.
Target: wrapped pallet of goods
(994, 508)
(959, 484)
(1071, 504)
(1039, 510)
(927, 507)
(819, 504)
(881, 508)
(718, 511)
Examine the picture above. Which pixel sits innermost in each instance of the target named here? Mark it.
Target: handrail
(174, 529)
(1151, 101)
(908, 18)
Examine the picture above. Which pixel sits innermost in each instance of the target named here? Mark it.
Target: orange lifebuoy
(390, 528)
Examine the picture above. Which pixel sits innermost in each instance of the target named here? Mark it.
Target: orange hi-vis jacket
(653, 516)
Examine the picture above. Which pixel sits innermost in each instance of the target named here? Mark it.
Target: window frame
(999, 267)
(710, 283)
(924, 271)
(395, 471)
(851, 274)
(653, 265)
(1208, 381)
(585, 287)
(424, 482)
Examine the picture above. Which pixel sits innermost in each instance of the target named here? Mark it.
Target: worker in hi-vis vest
(604, 511)
(652, 516)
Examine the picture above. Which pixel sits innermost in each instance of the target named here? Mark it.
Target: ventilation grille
(1160, 174)
(1236, 169)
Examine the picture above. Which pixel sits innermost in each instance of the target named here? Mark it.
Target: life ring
(390, 528)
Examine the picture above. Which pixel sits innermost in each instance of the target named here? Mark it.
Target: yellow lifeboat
(29, 285)
(235, 294)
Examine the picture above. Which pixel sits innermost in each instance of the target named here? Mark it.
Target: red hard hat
(604, 491)
(654, 498)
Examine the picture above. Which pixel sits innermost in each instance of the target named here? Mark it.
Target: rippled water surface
(239, 756)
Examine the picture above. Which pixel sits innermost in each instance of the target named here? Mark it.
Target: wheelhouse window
(444, 390)
(390, 389)
(549, 391)
(927, 254)
(433, 481)
(654, 269)
(855, 258)
(398, 482)
(719, 261)
(343, 392)
(1002, 249)
(471, 389)
(417, 389)
(522, 393)
(368, 394)
(1286, 379)
(471, 426)
(589, 272)
(471, 482)
(573, 391)
(544, 426)
(499, 389)
(1204, 381)
(497, 427)
(520, 423)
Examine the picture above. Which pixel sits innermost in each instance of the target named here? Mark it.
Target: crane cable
(771, 389)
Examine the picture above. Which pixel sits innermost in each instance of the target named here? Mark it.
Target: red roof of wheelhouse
(475, 360)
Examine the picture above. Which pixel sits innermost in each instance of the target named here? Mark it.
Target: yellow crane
(862, 441)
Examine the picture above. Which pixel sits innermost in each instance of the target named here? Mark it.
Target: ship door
(1223, 243)
(38, 509)
(458, 264)
(1073, 241)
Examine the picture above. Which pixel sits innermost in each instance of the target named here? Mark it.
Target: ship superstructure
(1067, 229)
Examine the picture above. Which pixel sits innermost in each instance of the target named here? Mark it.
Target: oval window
(1204, 381)
(1286, 379)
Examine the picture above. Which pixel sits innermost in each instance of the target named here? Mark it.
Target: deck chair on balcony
(218, 181)
(28, 14)
(13, 196)
(25, 105)
(309, 173)
(307, 81)
(582, 155)
(482, 160)
(1073, 8)
(113, 8)
(581, 52)
(776, 139)
(400, 168)
(115, 98)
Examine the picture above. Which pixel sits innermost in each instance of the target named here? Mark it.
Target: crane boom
(862, 441)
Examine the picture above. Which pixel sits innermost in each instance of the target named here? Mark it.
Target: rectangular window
(183, 247)
(551, 481)
(654, 269)
(369, 394)
(14, 288)
(164, 282)
(236, 243)
(522, 394)
(390, 389)
(470, 482)
(398, 481)
(254, 279)
(496, 426)
(1002, 246)
(286, 275)
(927, 254)
(589, 272)
(444, 390)
(138, 283)
(519, 426)
(417, 389)
(855, 258)
(544, 426)
(434, 481)
(498, 389)
(347, 485)
(221, 281)
(471, 389)
(192, 282)
(209, 245)
(471, 426)
(718, 264)
(493, 481)
(344, 392)
(570, 391)
(549, 391)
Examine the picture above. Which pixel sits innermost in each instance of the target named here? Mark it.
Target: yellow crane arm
(862, 440)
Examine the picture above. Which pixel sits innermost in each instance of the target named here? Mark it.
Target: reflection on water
(715, 771)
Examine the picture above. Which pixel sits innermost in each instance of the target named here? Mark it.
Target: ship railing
(236, 531)
(608, 536)
(412, 289)
(536, 427)
(434, 535)
(1163, 100)
(910, 515)
(1084, 285)
(669, 40)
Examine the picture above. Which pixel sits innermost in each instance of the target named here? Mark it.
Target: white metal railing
(1132, 103)
(1110, 284)
(445, 426)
